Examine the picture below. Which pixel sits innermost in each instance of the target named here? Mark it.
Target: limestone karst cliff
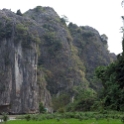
(41, 58)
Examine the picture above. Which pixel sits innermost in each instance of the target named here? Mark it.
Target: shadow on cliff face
(4, 108)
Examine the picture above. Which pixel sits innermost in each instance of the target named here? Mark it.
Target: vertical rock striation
(18, 67)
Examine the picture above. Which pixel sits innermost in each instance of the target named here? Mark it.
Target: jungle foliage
(113, 83)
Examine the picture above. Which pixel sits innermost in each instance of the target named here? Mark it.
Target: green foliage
(122, 120)
(88, 34)
(112, 79)
(111, 117)
(60, 102)
(64, 19)
(22, 34)
(26, 37)
(5, 117)
(5, 29)
(21, 30)
(68, 121)
(19, 12)
(83, 101)
(52, 42)
(80, 35)
(28, 117)
(61, 110)
(39, 9)
(42, 108)
(49, 27)
(50, 38)
(58, 119)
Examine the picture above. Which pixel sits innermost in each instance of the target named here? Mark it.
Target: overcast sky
(103, 15)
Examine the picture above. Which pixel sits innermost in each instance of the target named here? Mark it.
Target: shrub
(39, 8)
(5, 29)
(122, 120)
(5, 117)
(26, 37)
(60, 102)
(87, 34)
(58, 119)
(19, 12)
(42, 108)
(61, 110)
(21, 29)
(52, 42)
(28, 117)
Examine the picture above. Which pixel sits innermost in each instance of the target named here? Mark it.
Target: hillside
(92, 50)
(44, 60)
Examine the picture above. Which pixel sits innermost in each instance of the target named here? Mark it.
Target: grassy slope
(66, 121)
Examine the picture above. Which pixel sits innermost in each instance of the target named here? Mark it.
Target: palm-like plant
(5, 117)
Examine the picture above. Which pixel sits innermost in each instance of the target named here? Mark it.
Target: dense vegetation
(113, 84)
(103, 117)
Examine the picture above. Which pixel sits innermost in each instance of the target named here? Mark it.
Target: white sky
(103, 15)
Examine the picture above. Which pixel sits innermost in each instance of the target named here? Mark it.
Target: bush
(28, 117)
(39, 8)
(5, 117)
(26, 37)
(5, 29)
(21, 29)
(19, 12)
(87, 34)
(53, 43)
(61, 110)
(42, 108)
(60, 102)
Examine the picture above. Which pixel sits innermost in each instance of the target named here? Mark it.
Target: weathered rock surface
(92, 50)
(18, 66)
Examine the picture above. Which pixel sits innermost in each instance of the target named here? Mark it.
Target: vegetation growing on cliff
(5, 28)
(23, 33)
(52, 43)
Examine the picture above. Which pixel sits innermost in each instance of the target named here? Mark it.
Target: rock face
(40, 57)
(18, 66)
(92, 49)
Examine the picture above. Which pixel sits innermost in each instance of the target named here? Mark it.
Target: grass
(67, 121)
(102, 117)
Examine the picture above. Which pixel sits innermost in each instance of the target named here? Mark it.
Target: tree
(64, 19)
(113, 82)
(19, 12)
